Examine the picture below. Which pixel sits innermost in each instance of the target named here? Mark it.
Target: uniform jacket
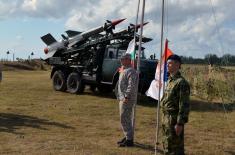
(175, 100)
(127, 84)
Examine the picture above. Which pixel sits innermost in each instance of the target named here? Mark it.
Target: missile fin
(48, 39)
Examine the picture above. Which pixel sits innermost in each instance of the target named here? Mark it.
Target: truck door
(110, 65)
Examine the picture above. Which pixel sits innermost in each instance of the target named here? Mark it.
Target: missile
(130, 32)
(108, 27)
(131, 28)
(52, 45)
(137, 26)
(75, 37)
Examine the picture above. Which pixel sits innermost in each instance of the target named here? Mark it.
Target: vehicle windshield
(121, 51)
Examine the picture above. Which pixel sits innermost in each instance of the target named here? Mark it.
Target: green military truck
(93, 59)
(101, 71)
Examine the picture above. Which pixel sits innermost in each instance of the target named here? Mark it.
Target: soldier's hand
(125, 100)
(178, 129)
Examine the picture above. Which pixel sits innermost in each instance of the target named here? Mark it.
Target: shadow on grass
(230, 152)
(12, 122)
(146, 101)
(147, 147)
(203, 106)
(196, 105)
(110, 95)
(143, 100)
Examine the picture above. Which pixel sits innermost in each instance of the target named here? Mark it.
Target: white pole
(138, 60)
(136, 21)
(140, 39)
(160, 64)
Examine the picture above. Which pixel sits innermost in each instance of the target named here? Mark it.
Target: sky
(194, 28)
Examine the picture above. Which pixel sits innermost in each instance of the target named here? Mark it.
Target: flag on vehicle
(157, 87)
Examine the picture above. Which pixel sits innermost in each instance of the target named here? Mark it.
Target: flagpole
(159, 100)
(136, 21)
(140, 39)
(138, 60)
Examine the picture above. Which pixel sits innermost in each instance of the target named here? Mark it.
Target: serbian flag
(131, 50)
(156, 87)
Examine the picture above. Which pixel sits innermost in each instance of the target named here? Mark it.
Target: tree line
(212, 59)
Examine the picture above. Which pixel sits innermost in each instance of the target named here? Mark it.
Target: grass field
(34, 119)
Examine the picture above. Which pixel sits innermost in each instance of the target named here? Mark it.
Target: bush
(211, 83)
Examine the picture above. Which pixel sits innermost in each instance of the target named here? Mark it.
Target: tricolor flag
(157, 86)
(131, 50)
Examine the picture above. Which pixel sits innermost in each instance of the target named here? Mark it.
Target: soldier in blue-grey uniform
(175, 108)
(126, 92)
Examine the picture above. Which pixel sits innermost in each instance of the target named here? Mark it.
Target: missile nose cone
(138, 26)
(145, 23)
(115, 22)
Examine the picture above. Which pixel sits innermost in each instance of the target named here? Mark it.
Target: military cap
(175, 58)
(126, 56)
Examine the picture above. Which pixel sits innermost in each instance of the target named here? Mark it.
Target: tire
(59, 81)
(75, 84)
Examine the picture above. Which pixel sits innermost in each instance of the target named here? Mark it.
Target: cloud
(37, 8)
(94, 13)
(7, 9)
(46, 9)
(19, 37)
(193, 27)
(29, 5)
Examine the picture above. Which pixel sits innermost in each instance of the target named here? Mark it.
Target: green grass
(35, 119)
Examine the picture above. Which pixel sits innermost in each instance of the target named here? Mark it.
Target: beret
(175, 58)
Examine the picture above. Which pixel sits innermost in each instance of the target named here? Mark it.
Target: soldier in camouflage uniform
(175, 108)
(126, 92)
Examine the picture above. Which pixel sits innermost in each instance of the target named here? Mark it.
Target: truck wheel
(59, 81)
(75, 84)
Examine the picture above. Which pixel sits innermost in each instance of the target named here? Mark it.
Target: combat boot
(127, 143)
(122, 140)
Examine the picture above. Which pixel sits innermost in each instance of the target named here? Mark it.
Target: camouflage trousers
(126, 118)
(172, 144)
